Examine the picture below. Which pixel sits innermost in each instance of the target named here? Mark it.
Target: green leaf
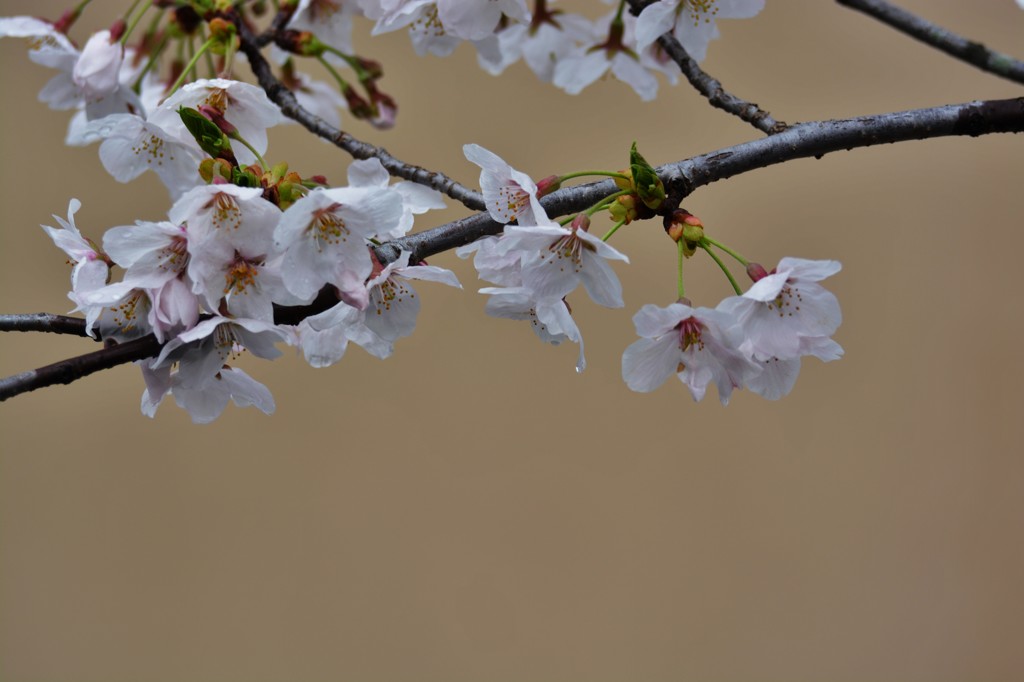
(648, 185)
(210, 138)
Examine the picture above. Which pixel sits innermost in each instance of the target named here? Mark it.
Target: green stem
(342, 83)
(581, 174)
(732, 280)
(134, 22)
(606, 202)
(361, 73)
(191, 65)
(245, 143)
(679, 276)
(150, 63)
(743, 261)
(612, 231)
(618, 13)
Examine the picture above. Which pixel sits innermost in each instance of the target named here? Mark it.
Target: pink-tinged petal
(246, 391)
(655, 19)
(96, 72)
(647, 363)
(601, 282)
(776, 379)
(631, 71)
(419, 199)
(432, 273)
(572, 74)
(368, 173)
(809, 270)
(203, 403)
(823, 348)
(652, 321)
(393, 308)
(602, 248)
(158, 385)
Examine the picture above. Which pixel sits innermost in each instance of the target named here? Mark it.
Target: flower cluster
(537, 262)
(206, 281)
(244, 242)
(755, 340)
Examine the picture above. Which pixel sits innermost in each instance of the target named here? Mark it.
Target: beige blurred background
(472, 509)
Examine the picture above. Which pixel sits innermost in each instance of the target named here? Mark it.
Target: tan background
(471, 509)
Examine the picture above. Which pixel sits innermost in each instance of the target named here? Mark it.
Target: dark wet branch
(710, 87)
(285, 99)
(804, 140)
(941, 39)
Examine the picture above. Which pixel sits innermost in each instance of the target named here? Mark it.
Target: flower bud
(548, 185)
(624, 208)
(581, 222)
(756, 271)
(217, 117)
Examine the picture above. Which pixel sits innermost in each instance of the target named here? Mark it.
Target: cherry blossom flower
(120, 311)
(549, 318)
(323, 338)
(416, 199)
(393, 303)
(201, 352)
(689, 342)
(245, 106)
(509, 194)
(438, 27)
(324, 236)
(557, 259)
(96, 71)
(692, 22)
(493, 261)
(782, 308)
(132, 145)
(204, 404)
(613, 51)
(541, 45)
(232, 255)
(90, 264)
(784, 316)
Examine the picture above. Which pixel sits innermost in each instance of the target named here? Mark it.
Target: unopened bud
(581, 222)
(548, 185)
(371, 69)
(217, 117)
(756, 271)
(624, 208)
(693, 234)
(117, 30)
(624, 184)
(221, 29)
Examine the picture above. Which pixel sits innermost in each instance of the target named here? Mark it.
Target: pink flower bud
(756, 271)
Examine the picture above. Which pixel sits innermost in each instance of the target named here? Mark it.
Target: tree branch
(802, 140)
(43, 322)
(940, 38)
(711, 88)
(66, 371)
(813, 139)
(285, 99)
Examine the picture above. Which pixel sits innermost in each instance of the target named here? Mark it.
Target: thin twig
(813, 139)
(972, 52)
(43, 322)
(710, 87)
(285, 99)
